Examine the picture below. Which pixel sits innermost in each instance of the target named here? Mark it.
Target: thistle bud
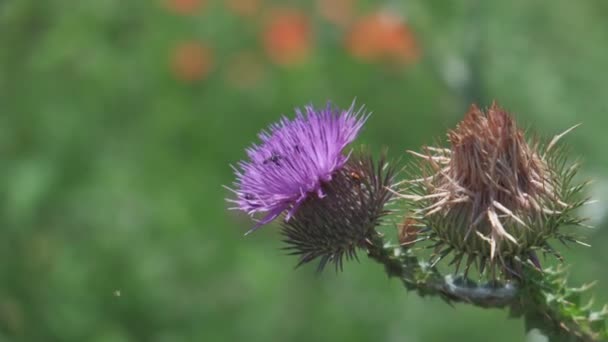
(334, 226)
(493, 196)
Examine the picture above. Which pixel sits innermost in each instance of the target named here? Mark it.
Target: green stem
(427, 281)
(543, 300)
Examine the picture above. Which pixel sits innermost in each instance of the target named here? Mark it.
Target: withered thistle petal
(492, 195)
(331, 228)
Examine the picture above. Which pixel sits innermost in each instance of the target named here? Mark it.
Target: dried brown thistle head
(492, 196)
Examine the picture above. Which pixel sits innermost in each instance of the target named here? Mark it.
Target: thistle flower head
(492, 195)
(293, 160)
(333, 227)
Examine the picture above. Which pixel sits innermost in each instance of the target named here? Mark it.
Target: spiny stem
(558, 310)
(427, 281)
(542, 299)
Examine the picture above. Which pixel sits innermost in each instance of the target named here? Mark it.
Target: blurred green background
(119, 120)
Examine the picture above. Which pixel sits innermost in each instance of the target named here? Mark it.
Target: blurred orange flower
(338, 12)
(382, 36)
(244, 70)
(287, 36)
(191, 61)
(185, 6)
(247, 8)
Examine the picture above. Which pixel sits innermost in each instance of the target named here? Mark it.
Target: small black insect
(275, 158)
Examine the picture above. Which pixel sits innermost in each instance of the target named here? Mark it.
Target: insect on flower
(408, 232)
(293, 160)
(333, 227)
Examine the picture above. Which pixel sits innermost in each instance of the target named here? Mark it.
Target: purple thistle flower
(294, 159)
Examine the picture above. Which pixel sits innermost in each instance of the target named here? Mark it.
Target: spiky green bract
(332, 227)
(493, 199)
(559, 311)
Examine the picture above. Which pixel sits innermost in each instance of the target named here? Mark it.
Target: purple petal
(293, 159)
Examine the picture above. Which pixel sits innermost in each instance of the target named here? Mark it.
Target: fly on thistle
(330, 201)
(492, 196)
